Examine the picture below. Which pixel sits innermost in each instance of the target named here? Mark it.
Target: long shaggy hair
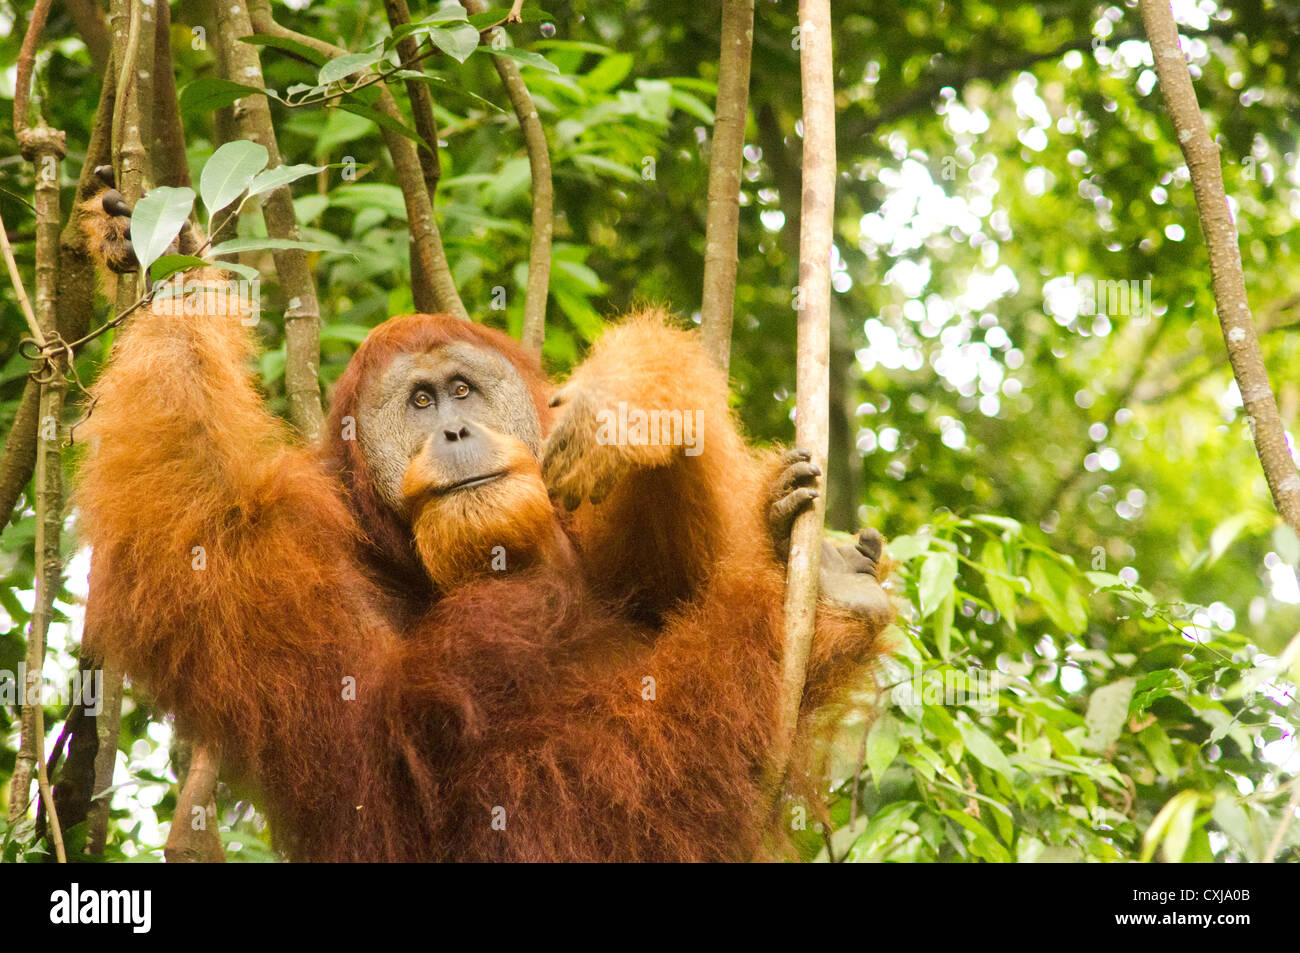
(613, 700)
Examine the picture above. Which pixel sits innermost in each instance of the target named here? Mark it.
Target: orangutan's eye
(460, 390)
(421, 398)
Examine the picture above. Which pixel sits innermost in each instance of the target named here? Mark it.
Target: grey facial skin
(450, 394)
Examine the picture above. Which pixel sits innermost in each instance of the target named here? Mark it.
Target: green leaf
(447, 12)
(236, 245)
(281, 175)
(938, 574)
(984, 844)
(1056, 591)
(344, 66)
(1287, 544)
(170, 264)
(1224, 535)
(1107, 712)
(609, 72)
(884, 824)
(208, 94)
(454, 89)
(1199, 850)
(308, 208)
(1171, 828)
(374, 195)
(1289, 660)
(457, 41)
(495, 15)
(656, 98)
(941, 725)
(985, 749)
(228, 173)
(943, 623)
(1008, 526)
(526, 57)
(381, 119)
(246, 272)
(1161, 752)
(602, 164)
(339, 128)
(905, 548)
(882, 746)
(1231, 818)
(586, 319)
(273, 363)
(350, 333)
(994, 562)
(284, 45)
(156, 221)
(587, 280)
(179, 289)
(692, 105)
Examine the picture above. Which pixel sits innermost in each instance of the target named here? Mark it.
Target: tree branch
(843, 481)
(190, 841)
(76, 291)
(44, 148)
(302, 309)
(94, 32)
(726, 157)
(169, 165)
(19, 459)
(428, 253)
(408, 50)
(539, 166)
(108, 725)
(1226, 277)
(26, 62)
(426, 125)
(20, 292)
(816, 223)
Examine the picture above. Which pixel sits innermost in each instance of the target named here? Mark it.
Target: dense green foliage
(1093, 657)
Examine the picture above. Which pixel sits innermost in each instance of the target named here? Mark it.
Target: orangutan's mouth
(469, 482)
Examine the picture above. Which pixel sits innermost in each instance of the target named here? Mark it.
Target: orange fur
(611, 696)
(107, 236)
(504, 526)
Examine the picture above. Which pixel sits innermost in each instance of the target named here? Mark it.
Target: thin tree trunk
(1226, 278)
(193, 838)
(843, 481)
(726, 158)
(77, 282)
(49, 580)
(543, 197)
(108, 725)
(169, 165)
(89, 19)
(421, 98)
(301, 308)
(429, 255)
(19, 459)
(44, 148)
(816, 220)
(539, 166)
(426, 125)
(76, 296)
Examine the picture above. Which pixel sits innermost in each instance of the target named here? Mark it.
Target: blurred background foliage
(1082, 528)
